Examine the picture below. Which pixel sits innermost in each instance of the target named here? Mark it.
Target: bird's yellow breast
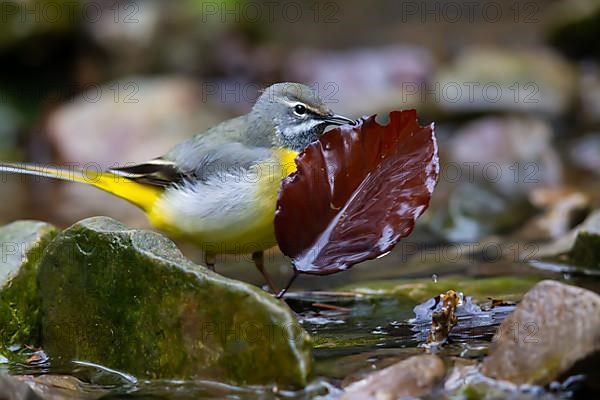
(231, 216)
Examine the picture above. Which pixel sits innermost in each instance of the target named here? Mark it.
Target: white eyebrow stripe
(289, 103)
(294, 103)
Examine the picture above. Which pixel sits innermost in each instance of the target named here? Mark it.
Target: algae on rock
(506, 288)
(22, 244)
(128, 299)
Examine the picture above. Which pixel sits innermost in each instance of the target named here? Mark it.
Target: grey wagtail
(219, 188)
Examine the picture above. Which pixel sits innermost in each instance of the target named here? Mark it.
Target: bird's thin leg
(259, 260)
(210, 260)
(289, 284)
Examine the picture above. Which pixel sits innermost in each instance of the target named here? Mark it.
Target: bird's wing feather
(157, 172)
(222, 149)
(196, 159)
(206, 161)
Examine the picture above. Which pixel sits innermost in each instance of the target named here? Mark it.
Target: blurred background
(513, 86)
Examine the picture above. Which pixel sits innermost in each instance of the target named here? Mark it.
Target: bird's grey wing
(221, 149)
(196, 159)
(206, 158)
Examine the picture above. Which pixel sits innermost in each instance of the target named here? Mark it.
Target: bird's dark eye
(300, 109)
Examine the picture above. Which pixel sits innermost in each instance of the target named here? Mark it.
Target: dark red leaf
(356, 193)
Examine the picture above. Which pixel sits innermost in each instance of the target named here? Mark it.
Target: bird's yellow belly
(233, 215)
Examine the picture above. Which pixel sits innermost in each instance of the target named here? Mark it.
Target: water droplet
(434, 278)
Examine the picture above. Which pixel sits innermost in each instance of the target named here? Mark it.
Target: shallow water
(354, 334)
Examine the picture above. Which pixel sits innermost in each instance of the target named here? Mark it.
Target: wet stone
(553, 327)
(415, 376)
(128, 300)
(21, 245)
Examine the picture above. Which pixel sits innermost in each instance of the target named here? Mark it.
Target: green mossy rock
(586, 250)
(21, 246)
(128, 300)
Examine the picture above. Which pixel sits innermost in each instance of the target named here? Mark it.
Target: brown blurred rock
(585, 151)
(14, 198)
(512, 153)
(589, 92)
(60, 387)
(493, 79)
(415, 376)
(123, 122)
(365, 81)
(160, 35)
(549, 198)
(46, 387)
(470, 212)
(563, 209)
(580, 246)
(12, 388)
(552, 327)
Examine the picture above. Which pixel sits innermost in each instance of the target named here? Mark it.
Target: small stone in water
(413, 377)
(552, 328)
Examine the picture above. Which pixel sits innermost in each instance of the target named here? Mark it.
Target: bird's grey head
(294, 114)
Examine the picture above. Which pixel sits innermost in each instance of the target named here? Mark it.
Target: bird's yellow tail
(142, 195)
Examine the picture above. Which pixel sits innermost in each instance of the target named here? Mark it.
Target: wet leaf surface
(356, 193)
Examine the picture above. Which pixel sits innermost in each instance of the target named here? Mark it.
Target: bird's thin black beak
(335, 119)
